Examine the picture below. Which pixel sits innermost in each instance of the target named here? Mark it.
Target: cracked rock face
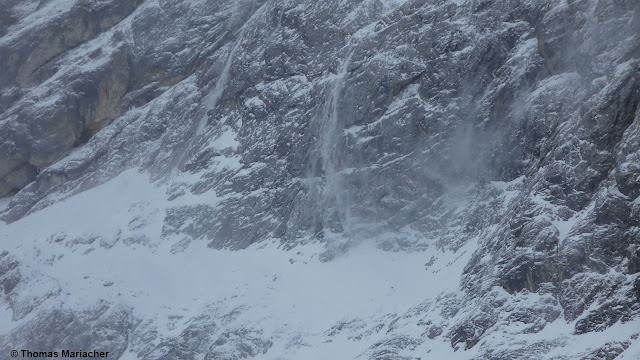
(275, 179)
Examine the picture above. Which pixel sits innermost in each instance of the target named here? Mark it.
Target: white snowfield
(104, 245)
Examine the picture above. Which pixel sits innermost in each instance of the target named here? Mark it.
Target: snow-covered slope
(279, 179)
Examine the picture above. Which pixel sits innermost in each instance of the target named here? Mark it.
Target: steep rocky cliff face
(279, 179)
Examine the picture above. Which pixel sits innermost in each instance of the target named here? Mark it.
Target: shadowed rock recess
(336, 179)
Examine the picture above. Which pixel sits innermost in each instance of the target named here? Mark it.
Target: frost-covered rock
(378, 179)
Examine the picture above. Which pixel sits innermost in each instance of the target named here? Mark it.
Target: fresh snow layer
(106, 244)
(90, 247)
